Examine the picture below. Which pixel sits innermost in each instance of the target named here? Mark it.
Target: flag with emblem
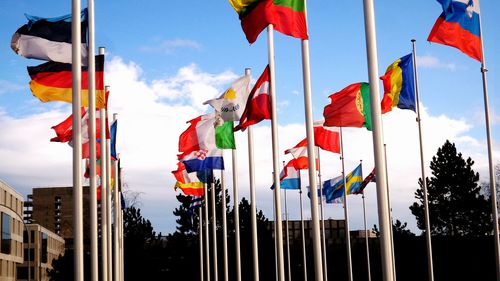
(231, 103)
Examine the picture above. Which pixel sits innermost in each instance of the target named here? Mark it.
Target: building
(42, 247)
(11, 223)
(52, 208)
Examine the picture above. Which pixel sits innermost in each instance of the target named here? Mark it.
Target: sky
(165, 58)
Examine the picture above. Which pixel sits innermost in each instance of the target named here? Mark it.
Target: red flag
(258, 105)
(327, 138)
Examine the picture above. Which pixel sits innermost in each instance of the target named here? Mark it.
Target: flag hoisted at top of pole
(399, 85)
(230, 104)
(459, 26)
(51, 39)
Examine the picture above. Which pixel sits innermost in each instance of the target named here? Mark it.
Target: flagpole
(109, 206)
(276, 164)
(122, 277)
(304, 253)
(368, 269)
(77, 140)
(390, 215)
(104, 215)
(236, 211)
(493, 191)
(200, 239)
(214, 233)
(94, 258)
(289, 269)
(378, 140)
(207, 239)
(323, 240)
(306, 70)
(275, 241)
(253, 203)
(224, 223)
(430, 266)
(116, 208)
(346, 215)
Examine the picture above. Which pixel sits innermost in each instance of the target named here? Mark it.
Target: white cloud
(434, 62)
(172, 46)
(6, 86)
(152, 114)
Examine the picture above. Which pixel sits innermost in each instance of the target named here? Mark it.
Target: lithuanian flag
(52, 81)
(287, 17)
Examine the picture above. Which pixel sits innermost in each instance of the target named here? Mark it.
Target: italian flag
(287, 17)
(350, 107)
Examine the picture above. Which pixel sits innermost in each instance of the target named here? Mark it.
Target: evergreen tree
(456, 205)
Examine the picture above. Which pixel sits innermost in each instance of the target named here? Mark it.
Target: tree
(399, 230)
(456, 205)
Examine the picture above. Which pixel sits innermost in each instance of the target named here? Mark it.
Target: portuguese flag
(52, 81)
(350, 107)
(287, 17)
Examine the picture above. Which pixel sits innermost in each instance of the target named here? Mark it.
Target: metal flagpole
(390, 216)
(275, 241)
(346, 215)
(104, 171)
(77, 141)
(323, 240)
(368, 269)
(236, 211)
(120, 221)
(253, 203)
(109, 206)
(214, 233)
(116, 210)
(289, 268)
(378, 140)
(493, 191)
(306, 70)
(430, 266)
(94, 257)
(366, 240)
(276, 164)
(207, 239)
(224, 224)
(304, 254)
(200, 241)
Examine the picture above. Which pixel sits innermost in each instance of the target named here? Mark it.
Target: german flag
(52, 81)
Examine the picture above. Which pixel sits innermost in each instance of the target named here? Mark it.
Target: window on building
(29, 256)
(22, 273)
(25, 236)
(32, 235)
(6, 234)
(44, 248)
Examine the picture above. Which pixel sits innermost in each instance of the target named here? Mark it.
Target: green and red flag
(350, 107)
(287, 17)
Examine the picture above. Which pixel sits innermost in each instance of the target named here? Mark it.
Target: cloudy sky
(172, 56)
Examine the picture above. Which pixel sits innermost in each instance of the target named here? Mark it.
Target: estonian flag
(49, 38)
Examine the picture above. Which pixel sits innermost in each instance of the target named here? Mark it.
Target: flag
(459, 26)
(224, 136)
(366, 181)
(112, 132)
(290, 176)
(326, 138)
(64, 130)
(230, 104)
(49, 38)
(299, 153)
(350, 107)
(205, 176)
(258, 105)
(399, 85)
(52, 81)
(188, 182)
(287, 17)
(97, 169)
(203, 160)
(334, 188)
(196, 202)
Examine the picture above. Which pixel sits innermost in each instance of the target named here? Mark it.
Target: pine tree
(456, 205)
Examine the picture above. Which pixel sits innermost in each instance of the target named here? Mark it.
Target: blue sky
(166, 57)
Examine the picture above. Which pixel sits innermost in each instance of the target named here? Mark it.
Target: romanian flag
(399, 85)
(49, 38)
(350, 107)
(188, 182)
(52, 81)
(459, 26)
(287, 17)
